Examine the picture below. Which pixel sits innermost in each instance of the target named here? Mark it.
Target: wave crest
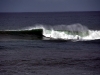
(75, 32)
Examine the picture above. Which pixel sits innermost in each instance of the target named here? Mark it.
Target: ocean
(50, 43)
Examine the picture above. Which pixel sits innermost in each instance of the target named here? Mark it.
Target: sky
(48, 5)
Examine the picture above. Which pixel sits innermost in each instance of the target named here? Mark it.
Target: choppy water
(58, 55)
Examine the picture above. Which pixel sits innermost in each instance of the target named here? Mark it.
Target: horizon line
(48, 11)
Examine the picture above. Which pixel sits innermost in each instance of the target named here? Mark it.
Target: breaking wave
(76, 32)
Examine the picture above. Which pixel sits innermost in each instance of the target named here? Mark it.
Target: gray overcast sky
(48, 5)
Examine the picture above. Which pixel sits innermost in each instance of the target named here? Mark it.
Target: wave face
(21, 34)
(75, 32)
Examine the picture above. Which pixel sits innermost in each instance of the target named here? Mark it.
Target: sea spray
(75, 31)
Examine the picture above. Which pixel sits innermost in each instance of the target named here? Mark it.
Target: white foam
(52, 33)
(93, 34)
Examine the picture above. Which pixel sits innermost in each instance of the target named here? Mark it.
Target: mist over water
(65, 32)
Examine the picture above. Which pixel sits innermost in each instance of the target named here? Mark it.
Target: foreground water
(45, 57)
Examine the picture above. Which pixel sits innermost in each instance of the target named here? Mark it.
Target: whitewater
(77, 32)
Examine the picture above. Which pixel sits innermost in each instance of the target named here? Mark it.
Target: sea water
(70, 44)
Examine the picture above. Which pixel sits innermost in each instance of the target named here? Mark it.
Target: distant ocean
(50, 43)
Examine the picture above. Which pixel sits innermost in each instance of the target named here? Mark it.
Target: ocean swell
(76, 32)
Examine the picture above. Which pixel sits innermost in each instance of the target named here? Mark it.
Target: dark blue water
(49, 57)
(21, 20)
